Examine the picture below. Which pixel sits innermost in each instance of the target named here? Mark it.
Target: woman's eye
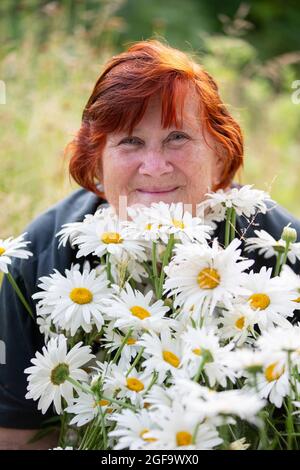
(130, 141)
(177, 137)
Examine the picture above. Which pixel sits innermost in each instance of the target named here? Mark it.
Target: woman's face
(156, 164)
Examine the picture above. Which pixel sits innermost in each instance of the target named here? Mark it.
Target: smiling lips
(156, 190)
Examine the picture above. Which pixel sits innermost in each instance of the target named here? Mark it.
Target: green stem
(103, 429)
(278, 434)
(85, 437)
(123, 404)
(289, 418)
(154, 267)
(278, 263)
(120, 349)
(200, 369)
(195, 433)
(232, 224)
(61, 439)
(227, 225)
(108, 269)
(153, 380)
(79, 385)
(136, 360)
(19, 294)
(166, 258)
(284, 257)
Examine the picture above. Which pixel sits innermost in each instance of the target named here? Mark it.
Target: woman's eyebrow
(171, 129)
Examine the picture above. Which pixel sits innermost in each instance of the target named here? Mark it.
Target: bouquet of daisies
(164, 338)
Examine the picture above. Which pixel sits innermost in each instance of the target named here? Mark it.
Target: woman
(154, 129)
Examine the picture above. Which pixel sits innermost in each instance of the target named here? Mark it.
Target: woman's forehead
(187, 116)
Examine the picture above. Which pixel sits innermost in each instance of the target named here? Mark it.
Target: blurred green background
(52, 53)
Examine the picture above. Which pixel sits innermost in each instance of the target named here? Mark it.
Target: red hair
(120, 98)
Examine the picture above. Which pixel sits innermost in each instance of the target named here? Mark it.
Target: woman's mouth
(157, 191)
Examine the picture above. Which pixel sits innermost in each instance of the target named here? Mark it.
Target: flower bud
(289, 234)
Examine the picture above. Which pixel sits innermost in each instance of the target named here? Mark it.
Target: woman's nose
(155, 163)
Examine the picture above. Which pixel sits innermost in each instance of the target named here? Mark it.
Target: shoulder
(42, 230)
(273, 221)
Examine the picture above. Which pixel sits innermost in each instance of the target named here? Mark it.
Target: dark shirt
(19, 331)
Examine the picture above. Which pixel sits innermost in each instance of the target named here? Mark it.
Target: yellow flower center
(111, 237)
(295, 300)
(2, 250)
(134, 384)
(184, 438)
(131, 341)
(197, 351)
(208, 278)
(272, 372)
(101, 403)
(81, 295)
(259, 301)
(178, 223)
(148, 227)
(240, 323)
(148, 439)
(140, 312)
(171, 358)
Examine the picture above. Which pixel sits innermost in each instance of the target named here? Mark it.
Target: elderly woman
(154, 129)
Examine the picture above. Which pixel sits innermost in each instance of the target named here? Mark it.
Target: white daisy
(72, 230)
(73, 300)
(270, 297)
(245, 360)
(202, 344)
(160, 220)
(245, 200)
(13, 248)
(273, 383)
(239, 444)
(291, 279)
(102, 371)
(45, 327)
(201, 277)
(109, 236)
(211, 217)
(165, 353)
(47, 379)
(62, 448)
(268, 246)
(158, 397)
(180, 431)
(281, 341)
(131, 309)
(173, 218)
(245, 405)
(237, 324)
(86, 407)
(182, 390)
(132, 386)
(131, 429)
(112, 340)
(207, 405)
(124, 268)
(143, 226)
